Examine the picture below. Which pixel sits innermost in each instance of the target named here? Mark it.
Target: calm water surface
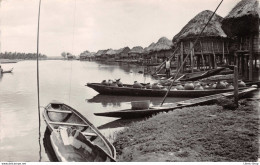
(63, 81)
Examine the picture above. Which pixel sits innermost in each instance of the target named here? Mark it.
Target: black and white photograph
(129, 81)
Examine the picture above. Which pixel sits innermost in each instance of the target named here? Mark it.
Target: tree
(64, 54)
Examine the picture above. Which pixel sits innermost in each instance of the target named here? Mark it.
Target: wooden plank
(88, 134)
(58, 111)
(68, 124)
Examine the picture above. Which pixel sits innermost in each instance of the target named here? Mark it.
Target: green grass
(202, 133)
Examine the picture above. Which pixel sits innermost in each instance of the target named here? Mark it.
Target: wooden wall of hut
(159, 56)
(208, 53)
(247, 56)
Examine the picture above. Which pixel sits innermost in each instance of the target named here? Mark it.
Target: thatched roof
(243, 19)
(136, 50)
(121, 50)
(101, 52)
(162, 44)
(195, 26)
(110, 52)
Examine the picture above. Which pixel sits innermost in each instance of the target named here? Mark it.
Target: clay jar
(189, 86)
(104, 82)
(213, 86)
(220, 85)
(196, 83)
(155, 86)
(179, 87)
(119, 83)
(148, 86)
(230, 86)
(198, 87)
(241, 84)
(114, 84)
(137, 85)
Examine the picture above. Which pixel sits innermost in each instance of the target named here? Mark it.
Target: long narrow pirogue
(74, 138)
(8, 71)
(129, 113)
(128, 90)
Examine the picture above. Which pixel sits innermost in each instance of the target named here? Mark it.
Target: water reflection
(108, 100)
(115, 101)
(48, 147)
(119, 123)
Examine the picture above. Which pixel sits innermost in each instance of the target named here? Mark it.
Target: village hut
(136, 53)
(242, 24)
(100, 55)
(147, 52)
(159, 51)
(211, 48)
(122, 54)
(110, 54)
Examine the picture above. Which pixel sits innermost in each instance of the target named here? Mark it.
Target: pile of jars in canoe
(201, 86)
(186, 86)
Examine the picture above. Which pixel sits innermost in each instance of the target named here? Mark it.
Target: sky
(78, 25)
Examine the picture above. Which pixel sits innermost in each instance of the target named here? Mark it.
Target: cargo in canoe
(128, 90)
(74, 138)
(129, 113)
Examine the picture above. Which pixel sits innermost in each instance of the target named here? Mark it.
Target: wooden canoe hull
(127, 90)
(71, 153)
(60, 116)
(8, 71)
(198, 76)
(154, 110)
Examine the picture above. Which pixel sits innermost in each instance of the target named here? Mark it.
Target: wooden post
(203, 60)
(181, 57)
(214, 56)
(251, 58)
(191, 56)
(223, 58)
(235, 86)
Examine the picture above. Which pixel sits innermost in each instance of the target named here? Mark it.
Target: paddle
(189, 51)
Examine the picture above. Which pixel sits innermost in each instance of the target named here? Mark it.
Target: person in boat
(168, 68)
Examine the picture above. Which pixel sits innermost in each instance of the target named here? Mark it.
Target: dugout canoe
(8, 71)
(200, 75)
(129, 113)
(74, 138)
(128, 90)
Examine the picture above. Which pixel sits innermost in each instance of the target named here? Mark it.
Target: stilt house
(242, 24)
(211, 48)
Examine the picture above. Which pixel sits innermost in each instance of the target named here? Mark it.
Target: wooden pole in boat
(236, 86)
(38, 86)
(175, 77)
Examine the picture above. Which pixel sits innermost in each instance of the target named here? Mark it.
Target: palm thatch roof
(110, 52)
(101, 52)
(243, 19)
(162, 44)
(136, 50)
(121, 50)
(195, 26)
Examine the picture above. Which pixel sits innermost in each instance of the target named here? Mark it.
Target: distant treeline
(15, 55)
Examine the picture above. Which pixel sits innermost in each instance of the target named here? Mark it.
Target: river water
(63, 81)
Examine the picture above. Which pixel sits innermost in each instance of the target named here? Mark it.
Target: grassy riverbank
(202, 133)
